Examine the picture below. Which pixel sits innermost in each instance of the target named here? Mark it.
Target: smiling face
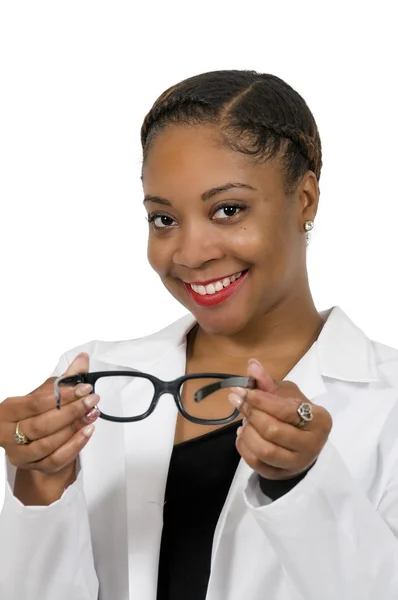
(224, 225)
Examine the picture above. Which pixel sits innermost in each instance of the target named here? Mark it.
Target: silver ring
(304, 411)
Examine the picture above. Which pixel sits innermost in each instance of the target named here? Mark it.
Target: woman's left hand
(270, 440)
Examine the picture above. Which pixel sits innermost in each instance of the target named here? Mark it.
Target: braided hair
(258, 115)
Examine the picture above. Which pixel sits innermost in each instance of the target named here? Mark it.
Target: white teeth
(216, 286)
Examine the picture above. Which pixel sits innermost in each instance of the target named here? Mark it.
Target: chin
(222, 323)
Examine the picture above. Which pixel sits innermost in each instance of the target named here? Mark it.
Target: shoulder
(126, 352)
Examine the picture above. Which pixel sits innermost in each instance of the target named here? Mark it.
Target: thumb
(79, 365)
(263, 380)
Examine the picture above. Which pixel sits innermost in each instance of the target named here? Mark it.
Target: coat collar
(341, 352)
(344, 351)
(143, 352)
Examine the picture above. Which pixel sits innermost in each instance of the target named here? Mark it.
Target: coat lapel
(149, 444)
(147, 448)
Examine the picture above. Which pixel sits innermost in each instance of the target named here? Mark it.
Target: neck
(283, 334)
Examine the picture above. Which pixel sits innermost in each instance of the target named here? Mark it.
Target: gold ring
(20, 437)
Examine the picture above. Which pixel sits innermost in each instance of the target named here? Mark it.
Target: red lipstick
(217, 297)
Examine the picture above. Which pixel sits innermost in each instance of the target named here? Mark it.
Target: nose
(196, 246)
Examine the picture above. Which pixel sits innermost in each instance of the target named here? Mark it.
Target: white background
(76, 80)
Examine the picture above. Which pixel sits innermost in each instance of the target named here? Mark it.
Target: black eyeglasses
(188, 391)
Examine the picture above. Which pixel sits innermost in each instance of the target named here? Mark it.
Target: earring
(308, 226)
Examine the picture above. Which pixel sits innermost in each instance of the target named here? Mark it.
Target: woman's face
(224, 238)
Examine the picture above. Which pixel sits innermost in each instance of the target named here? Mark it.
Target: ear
(308, 195)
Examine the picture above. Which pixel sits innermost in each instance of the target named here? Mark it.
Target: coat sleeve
(329, 538)
(46, 551)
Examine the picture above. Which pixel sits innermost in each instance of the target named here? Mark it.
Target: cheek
(256, 245)
(159, 255)
(153, 254)
(267, 249)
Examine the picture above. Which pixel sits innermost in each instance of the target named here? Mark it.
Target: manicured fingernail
(91, 400)
(239, 431)
(92, 415)
(82, 389)
(244, 421)
(241, 392)
(255, 369)
(235, 400)
(87, 431)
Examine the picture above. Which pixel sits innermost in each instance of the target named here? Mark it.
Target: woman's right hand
(46, 466)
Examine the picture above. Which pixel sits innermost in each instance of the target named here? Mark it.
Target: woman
(163, 508)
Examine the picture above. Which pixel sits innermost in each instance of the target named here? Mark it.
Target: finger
(263, 380)
(261, 468)
(282, 408)
(275, 431)
(54, 420)
(43, 447)
(22, 456)
(267, 452)
(65, 454)
(79, 365)
(43, 399)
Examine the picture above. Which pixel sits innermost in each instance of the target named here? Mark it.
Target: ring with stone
(20, 437)
(304, 411)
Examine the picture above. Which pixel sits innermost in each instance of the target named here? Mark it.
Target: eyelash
(151, 217)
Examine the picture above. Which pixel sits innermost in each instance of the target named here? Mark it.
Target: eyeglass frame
(160, 388)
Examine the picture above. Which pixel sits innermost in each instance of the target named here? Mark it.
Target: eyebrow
(206, 195)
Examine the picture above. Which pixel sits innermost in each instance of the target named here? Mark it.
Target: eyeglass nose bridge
(167, 387)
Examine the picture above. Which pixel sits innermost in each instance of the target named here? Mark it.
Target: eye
(160, 221)
(226, 211)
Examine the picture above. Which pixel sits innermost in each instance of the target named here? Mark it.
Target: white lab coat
(333, 537)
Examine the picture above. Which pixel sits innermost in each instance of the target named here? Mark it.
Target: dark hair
(258, 114)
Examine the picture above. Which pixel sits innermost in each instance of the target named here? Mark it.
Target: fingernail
(82, 389)
(235, 400)
(92, 415)
(87, 431)
(255, 369)
(92, 400)
(84, 354)
(241, 392)
(239, 431)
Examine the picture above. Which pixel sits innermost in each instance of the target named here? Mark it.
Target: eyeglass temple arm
(245, 382)
(72, 380)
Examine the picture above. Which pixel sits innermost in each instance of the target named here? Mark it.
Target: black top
(200, 475)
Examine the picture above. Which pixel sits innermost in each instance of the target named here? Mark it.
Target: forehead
(193, 158)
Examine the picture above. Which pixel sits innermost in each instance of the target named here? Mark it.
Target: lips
(203, 298)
